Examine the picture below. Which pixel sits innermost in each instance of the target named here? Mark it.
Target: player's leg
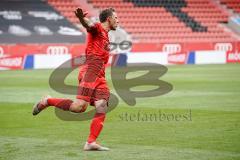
(96, 127)
(101, 96)
(79, 105)
(41, 105)
(98, 120)
(76, 106)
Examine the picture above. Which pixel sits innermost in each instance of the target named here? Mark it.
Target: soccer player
(92, 89)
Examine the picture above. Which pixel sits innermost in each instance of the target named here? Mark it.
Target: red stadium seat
(156, 24)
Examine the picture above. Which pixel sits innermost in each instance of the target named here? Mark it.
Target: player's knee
(82, 108)
(79, 106)
(101, 106)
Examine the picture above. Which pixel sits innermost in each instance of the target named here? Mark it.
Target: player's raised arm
(83, 20)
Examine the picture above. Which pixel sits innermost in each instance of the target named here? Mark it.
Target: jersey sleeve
(94, 29)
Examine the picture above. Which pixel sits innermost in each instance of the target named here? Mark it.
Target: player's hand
(79, 13)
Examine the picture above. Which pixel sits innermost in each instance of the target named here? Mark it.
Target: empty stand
(174, 7)
(161, 20)
(66, 8)
(34, 21)
(232, 4)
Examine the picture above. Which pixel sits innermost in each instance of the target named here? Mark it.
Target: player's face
(113, 21)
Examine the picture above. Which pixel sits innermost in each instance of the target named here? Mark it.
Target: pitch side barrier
(36, 56)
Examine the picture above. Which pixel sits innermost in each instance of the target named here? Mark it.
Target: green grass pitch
(207, 95)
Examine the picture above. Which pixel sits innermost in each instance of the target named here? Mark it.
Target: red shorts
(92, 84)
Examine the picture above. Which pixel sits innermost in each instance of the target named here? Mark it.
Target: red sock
(96, 127)
(61, 103)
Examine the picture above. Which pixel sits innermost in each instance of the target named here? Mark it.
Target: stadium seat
(232, 4)
(35, 21)
(179, 19)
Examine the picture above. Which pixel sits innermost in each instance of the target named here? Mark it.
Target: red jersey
(98, 42)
